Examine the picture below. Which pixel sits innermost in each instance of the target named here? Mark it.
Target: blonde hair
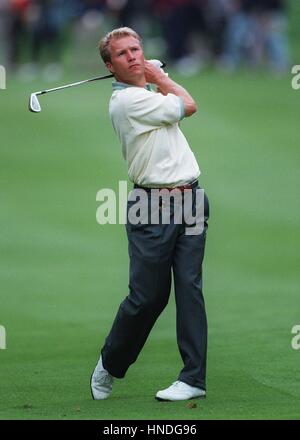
(115, 35)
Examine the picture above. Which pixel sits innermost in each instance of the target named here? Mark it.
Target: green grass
(63, 276)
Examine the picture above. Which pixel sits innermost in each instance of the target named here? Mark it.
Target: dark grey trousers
(155, 250)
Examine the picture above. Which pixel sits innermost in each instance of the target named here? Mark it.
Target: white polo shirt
(156, 151)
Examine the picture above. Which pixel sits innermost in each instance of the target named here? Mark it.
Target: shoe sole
(91, 387)
(169, 400)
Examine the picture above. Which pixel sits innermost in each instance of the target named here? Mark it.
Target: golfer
(158, 156)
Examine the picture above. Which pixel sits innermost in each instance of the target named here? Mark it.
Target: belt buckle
(182, 188)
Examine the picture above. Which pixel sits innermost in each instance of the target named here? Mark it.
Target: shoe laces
(105, 377)
(108, 379)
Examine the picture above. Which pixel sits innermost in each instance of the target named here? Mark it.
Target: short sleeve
(153, 110)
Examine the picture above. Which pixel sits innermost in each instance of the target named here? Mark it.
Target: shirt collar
(116, 85)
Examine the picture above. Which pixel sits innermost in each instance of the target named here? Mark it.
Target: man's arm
(166, 85)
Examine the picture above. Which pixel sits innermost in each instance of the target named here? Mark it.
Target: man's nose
(130, 55)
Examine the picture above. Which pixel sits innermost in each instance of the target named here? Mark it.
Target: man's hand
(165, 85)
(152, 73)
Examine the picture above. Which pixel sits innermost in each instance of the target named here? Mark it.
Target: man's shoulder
(130, 91)
(125, 97)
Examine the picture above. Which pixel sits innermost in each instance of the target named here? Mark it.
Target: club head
(34, 105)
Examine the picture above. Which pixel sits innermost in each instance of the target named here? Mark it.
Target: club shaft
(74, 84)
(78, 83)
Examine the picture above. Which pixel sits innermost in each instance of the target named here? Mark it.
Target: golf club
(34, 105)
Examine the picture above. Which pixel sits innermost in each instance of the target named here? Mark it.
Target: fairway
(63, 276)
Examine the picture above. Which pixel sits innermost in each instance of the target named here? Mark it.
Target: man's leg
(191, 319)
(149, 291)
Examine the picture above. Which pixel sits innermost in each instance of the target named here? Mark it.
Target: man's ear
(110, 67)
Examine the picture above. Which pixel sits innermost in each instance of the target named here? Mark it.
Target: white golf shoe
(180, 391)
(101, 382)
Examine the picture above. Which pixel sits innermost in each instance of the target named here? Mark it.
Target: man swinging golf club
(158, 156)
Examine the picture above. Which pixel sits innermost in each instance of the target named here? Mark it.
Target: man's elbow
(190, 108)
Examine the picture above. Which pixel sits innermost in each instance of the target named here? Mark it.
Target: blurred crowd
(189, 34)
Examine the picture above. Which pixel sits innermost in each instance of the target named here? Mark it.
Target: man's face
(127, 60)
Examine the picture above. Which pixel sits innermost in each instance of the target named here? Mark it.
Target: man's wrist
(160, 78)
(164, 83)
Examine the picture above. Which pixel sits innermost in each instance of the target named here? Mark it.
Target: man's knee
(141, 304)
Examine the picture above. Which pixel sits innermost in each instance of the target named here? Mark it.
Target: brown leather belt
(181, 188)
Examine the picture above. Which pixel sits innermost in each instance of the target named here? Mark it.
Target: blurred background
(47, 37)
(63, 276)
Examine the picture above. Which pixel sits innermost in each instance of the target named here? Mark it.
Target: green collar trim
(120, 86)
